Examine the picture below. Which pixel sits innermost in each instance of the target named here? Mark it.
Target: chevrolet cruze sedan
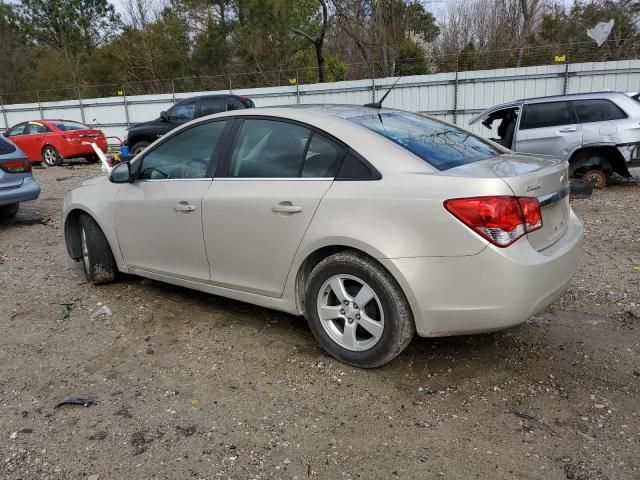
(373, 223)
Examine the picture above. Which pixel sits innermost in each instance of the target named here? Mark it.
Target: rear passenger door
(262, 201)
(548, 128)
(596, 117)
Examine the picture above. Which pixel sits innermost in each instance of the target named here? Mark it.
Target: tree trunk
(320, 59)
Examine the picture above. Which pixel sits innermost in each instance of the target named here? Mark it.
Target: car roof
(216, 95)
(606, 94)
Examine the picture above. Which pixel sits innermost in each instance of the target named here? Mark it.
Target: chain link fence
(457, 62)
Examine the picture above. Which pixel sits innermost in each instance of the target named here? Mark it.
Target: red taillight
(501, 220)
(15, 166)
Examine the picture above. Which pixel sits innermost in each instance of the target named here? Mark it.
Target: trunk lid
(87, 135)
(540, 176)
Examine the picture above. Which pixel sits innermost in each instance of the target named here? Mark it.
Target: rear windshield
(437, 143)
(66, 125)
(6, 147)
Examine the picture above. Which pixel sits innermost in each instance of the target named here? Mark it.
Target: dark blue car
(16, 182)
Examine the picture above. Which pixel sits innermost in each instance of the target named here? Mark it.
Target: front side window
(211, 105)
(548, 114)
(597, 110)
(183, 112)
(269, 148)
(184, 155)
(67, 126)
(17, 130)
(439, 144)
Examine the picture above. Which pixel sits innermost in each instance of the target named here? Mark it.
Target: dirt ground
(188, 385)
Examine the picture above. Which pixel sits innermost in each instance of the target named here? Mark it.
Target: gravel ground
(187, 385)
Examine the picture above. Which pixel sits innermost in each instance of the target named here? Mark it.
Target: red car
(51, 141)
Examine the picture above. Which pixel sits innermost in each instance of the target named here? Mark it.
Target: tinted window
(597, 111)
(183, 111)
(550, 114)
(185, 155)
(67, 126)
(437, 143)
(323, 158)
(210, 105)
(353, 169)
(17, 130)
(33, 128)
(238, 103)
(6, 147)
(268, 148)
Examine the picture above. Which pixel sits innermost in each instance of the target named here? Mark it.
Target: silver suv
(598, 133)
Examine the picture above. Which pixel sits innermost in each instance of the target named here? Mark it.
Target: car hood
(94, 181)
(145, 124)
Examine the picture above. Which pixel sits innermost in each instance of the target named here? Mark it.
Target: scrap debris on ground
(197, 386)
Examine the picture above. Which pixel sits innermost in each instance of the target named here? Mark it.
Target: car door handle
(568, 129)
(184, 207)
(286, 207)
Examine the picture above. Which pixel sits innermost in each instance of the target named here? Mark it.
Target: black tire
(399, 327)
(139, 146)
(50, 157)
(92, 158)
(97, 260)
(8, 211)
(580, 188)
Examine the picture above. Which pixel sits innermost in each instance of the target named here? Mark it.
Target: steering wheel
(190, 170)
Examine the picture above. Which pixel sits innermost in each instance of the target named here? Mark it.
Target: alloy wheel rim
(350, 312)
(49, 156)
(85, 250)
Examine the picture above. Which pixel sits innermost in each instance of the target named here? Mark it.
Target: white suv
(597, 133)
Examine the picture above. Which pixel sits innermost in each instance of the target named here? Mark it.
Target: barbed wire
(536, 55)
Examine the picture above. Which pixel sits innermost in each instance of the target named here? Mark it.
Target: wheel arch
(610, 159)
(314, 257)
(72, 233)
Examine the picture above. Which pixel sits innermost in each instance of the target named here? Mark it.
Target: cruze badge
(532, 188)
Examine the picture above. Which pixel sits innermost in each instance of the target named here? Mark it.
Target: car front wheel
(357, 311)
(97, 259)
(138, 147)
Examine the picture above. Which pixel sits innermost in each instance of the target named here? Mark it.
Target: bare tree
(318, 40)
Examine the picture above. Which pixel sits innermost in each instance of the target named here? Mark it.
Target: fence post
(230, 86)
(4, 114)
(81, 106)
(173, 94)
(565, 86)
(455, 94)
(297, 87)
(40, 106)
(126, 107)
(373, 82)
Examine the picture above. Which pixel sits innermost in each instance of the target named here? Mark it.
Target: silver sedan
(373, 223)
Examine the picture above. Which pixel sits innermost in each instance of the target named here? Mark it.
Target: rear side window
(34, 128)
(238, 103)
(597, 110)
(268, 148)
(211, 105)
(6, 147)
(323, 158)
(548, 114)
(66, 126)
(439, 144)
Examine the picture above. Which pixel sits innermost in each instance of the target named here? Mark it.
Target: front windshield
(437, 143)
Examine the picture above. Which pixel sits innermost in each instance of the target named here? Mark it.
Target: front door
(159, 216)
(548, 128)
(256, 214)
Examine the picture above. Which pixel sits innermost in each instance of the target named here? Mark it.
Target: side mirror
(164, 116)
(121, 173)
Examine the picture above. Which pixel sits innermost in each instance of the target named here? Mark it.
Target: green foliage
(411, 60)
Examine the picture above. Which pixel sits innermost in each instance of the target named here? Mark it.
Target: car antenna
(378, 104)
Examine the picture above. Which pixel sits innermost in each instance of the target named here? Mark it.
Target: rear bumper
(80, 149)
(495, 289)
(29, 190)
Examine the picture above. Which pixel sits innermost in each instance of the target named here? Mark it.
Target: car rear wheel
(357, 311)
(92, 159)
(138, 147)
(97, 259)
(7, 211)
(50, 157)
